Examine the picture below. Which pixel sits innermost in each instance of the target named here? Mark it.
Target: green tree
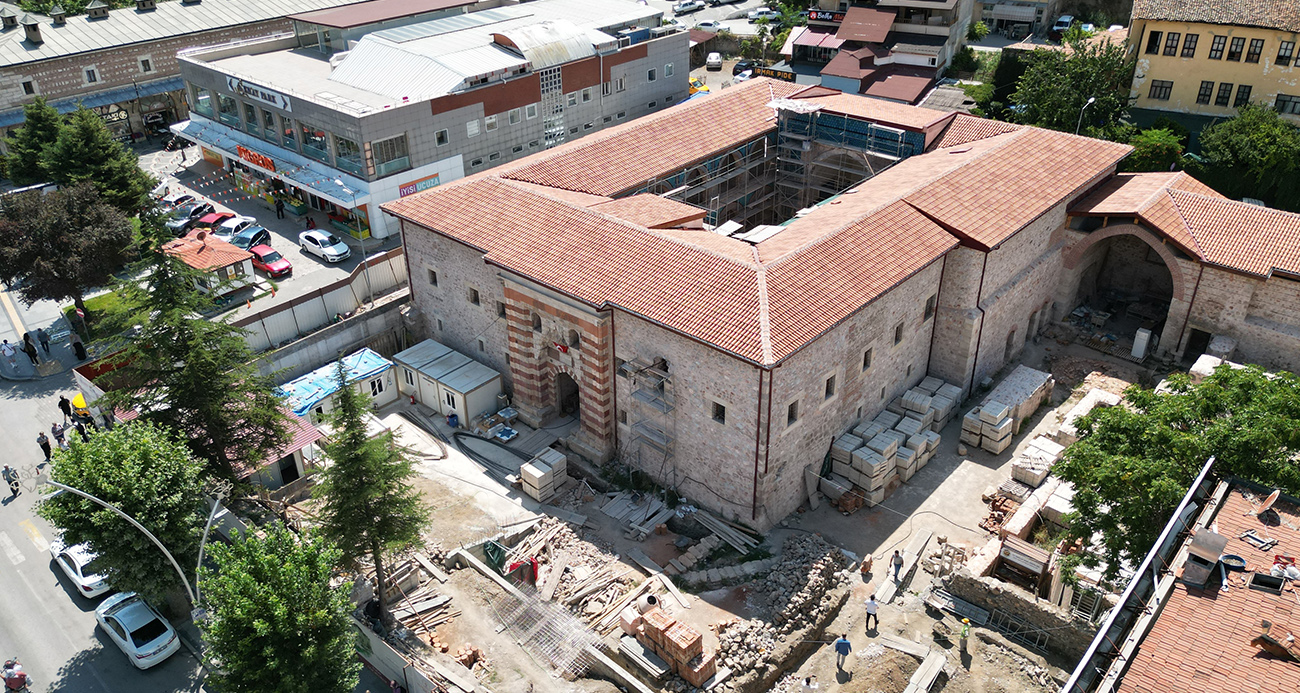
(1153, 150)
(1132, 466)
(1056, 85)
(276, 624)
(40, 129)
(85, 151)
(187, 372)
(151, 476)
(1254, 154)
(62, 243)
(72, 7)
(368, 505)
(977, 31)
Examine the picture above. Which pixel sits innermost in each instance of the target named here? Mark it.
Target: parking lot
(731, 16)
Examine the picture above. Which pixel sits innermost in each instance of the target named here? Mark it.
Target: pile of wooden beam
(640, 512)
(738, 538)
(418, 606)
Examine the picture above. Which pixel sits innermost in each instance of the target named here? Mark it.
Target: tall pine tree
(86, 151)
(27, 146)
(369, 507)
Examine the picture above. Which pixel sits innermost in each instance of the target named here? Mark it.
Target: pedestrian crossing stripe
(10, 550)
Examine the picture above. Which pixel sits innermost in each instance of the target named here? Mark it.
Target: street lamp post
(1091, 99)
(365, 260)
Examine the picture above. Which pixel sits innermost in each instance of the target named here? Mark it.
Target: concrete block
(969, 437)
(993, 411)
(889, 419)
(999, 430)
(972, 421)
(910, 426)
(895, 406)
(883, 444)
(995, 446)
(930, 385)
(868, 430)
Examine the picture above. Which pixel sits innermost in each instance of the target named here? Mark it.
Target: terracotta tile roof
(967, 128)
(207, 254)
(850, 64)
(1201, 639)
(1010, 186)
(1126, 193)
(1270, 14)
(623, 157)
(899, 83)
(650, 211)
(866, 24)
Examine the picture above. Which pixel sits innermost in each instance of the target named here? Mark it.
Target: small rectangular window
(516, 149)
(494, 156)
(898, 333)
(1189, 45)
(475, 163)
(471, 128)
(830, 387)
(1153, 42)
(668, 70)
(622, 417)
(652, 104)
(1216, 47)
(440, 324)
(621, 115)
(1287, 104)
(607, 119)
(588, 126)
(1206, 91)
(534, 144)
(490, 123)
(866, 360)
(441, 137)
(482, 346)
(92, 75)
(433, 278)
(1236, 47)
(1224, 95)
(719, 413)
(1256, 49)
(586, 95)
(792, 413)
(501, 309)
(651, 75)
(1285, 51)
(573, 130)
(1171, 43)
(1160, 89)
(146, 65)
(668, 99)
(572, 99)
(473, 296)
(1243, 96)
(530, 111)
(930, 304)
(376, 387)
(515, 116)
(620, 84)
(410, 376)
(606, 88)
(29, 87)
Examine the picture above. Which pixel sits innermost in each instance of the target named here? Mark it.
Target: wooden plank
(636, 554)
(888, 588)
(491, 574)
(661, 517)
(672, 589)
(420, 607)
(430, 568)
(904, 645)
(924, 677)
(553, 578)
(572, 518)
(612, 613)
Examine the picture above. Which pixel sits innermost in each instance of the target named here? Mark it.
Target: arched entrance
(1127, 281)
(567, 399)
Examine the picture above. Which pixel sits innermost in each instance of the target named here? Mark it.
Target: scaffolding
(655, 425)
(549, 632)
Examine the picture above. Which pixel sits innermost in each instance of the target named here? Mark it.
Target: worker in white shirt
(872, 607)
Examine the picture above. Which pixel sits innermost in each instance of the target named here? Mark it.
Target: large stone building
(122, 63)
(716, 308)
(357, 108)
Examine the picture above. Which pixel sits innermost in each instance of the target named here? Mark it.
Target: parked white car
(232, 226)
(325, 246)
(709, 25)
(713, 62)
(143, 635)
(764, 13)
(78, 563)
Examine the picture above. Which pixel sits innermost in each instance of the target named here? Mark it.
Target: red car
(268, 260)
(211, 221)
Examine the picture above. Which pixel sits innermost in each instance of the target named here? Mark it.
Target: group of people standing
(28, 347)
(59, 431)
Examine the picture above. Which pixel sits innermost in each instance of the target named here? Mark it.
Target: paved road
(741, 26)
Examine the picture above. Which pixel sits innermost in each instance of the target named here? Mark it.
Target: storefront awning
(1015, 13)
(291, 167)
(819, 37)
(103, 98)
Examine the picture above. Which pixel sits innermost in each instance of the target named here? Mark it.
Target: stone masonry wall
(1066, 636)
(1260, 315)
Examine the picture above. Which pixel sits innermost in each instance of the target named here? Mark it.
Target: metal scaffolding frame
(549, 632)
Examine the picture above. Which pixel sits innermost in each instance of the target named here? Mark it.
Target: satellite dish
(202, 235)
(1268, 502)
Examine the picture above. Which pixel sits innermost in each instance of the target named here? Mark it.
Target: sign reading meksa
(256, 93)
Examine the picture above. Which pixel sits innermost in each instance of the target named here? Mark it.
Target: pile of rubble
(802, 594)
(572, 570)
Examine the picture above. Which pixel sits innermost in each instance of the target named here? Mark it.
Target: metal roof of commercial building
(126, 26)
(551, 43)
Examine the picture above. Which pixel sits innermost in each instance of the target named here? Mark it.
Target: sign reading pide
(774, 74)
(254, 158)
(253, 92)
(416, 186)
(825, 16)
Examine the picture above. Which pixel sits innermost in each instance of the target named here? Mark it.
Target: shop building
(347, 112)
(122, 63)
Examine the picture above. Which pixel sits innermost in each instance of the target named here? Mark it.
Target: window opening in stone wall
(866, 359)
(574, 339)
(433, 278)
(473, 296)
(537, 323)
(898, 333)
(482, 346)
(719, 412)
(29, 87)
(930, 303)
(792, 414)
(501, 309)
(830, 387)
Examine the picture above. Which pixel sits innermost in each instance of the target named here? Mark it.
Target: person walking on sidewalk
(44, 441)
(77, 347)
(65, 406)
(872, 607)
(10, 476)
(57, 431)
(842, 650)
(44, 338)
(8, 350)
(897, 563)
(30, 348)
(279, 208)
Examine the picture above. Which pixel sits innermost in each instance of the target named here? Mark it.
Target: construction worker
(965, 633)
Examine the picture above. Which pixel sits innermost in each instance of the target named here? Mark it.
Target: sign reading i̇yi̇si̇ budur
(256, 93)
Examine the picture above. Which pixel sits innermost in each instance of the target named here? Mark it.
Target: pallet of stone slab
(998, 430)
(834, 486)
(932, 440)
(915, 400)
(883, 444)
(970, 438)
(871, 463)
(1023, 390)
(1030, 471)
(926, 417)
(877, 481)
(995, 446)
(844, 446)
(930, 385)
(843, 469)
(952, 392)
(868, 430)
(1050, 448)
(942, 406)
(992, 411)
(895, 406)
(877, 496)
(888, 418)
(918, 443)
(910, 426)
(1068, 432)
(973, 422)
(905, 474)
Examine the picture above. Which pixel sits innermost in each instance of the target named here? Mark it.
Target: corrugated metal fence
(305, 314)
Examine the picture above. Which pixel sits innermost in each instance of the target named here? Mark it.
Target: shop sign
(825, 16)
(114, 117)
(260, 94)
(254, 158)
(416, 186)
(774, 74)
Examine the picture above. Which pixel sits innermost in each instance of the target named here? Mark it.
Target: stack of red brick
(678, 644)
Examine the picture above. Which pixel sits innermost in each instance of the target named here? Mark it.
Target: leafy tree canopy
(1154, 150)
(369, 506)
(187, 372)
(85, 151)
(1056, 85)
(71, 7)
(1131, 467)
(40, 130)
(151, 476)
(276, 624)
(63, 243)
(1254, 154)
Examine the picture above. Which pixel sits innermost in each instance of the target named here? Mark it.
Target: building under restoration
(720, 289)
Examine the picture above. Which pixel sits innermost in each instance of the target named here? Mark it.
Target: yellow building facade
(1211, 69)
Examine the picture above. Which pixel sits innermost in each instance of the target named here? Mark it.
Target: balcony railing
(352, 166)
(231, 119)
(313, 152)
(398, 164)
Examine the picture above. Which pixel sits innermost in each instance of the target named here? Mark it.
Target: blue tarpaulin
(304, 393)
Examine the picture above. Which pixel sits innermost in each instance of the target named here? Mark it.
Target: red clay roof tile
(207, 254)
(967, 128)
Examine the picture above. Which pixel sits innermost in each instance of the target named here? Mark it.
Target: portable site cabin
(312, 395)
(448, 381)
